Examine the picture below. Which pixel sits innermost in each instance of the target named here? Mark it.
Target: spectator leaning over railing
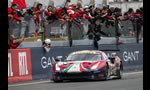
(71, 14)
(38, 10)
(13, 11)
(14, 44)
(135, 17)
(139, 20)
(141, 35)
(129, 15)
(104, 16)
(12, 14)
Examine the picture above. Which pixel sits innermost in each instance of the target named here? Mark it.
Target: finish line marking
(40, 82)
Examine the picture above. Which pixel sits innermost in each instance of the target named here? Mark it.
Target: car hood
(79, 66)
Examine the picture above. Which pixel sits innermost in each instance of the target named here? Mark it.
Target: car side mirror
(112, 59)
(58, 58)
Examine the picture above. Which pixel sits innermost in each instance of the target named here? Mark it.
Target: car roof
(86, 52)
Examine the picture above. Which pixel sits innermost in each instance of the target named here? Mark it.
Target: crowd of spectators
(97, 17)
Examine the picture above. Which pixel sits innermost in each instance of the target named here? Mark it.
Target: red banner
(19, 65)
(21, 3)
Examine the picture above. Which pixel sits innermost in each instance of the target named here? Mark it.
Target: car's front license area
(92, 75)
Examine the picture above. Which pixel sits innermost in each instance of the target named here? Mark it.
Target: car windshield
(83, 57)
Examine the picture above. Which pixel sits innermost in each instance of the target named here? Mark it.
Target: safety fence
(34, 63)
(58, 30)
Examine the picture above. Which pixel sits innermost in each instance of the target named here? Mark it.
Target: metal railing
(58, 30)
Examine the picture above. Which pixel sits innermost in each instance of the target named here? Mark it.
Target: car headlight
(95, 66)
(57, 67)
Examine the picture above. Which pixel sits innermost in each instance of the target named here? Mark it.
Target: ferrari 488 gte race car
(87, 64)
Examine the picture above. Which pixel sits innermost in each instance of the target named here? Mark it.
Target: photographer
(117, 16)
(138, 19)
(95, 25)
(109, 18)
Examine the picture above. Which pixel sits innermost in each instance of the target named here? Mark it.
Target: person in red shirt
(78, 12)
(58, 12)
(37, 20)
(129, 14)
(50, 14)
(38, 10)
(86, 13)
(48, 11)
(13, 44)
(138, 20)
(12, 11)
(12, 14)
(71, 14)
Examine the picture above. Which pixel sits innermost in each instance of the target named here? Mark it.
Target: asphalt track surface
(130, 81)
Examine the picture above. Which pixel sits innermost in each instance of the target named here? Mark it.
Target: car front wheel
(120, 72)
(107, 73)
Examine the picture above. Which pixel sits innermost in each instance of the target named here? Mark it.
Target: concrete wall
(130, 54)
(34, 63)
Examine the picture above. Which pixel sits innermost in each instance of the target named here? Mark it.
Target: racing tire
(119, 71)
(106, 73)
(58, 81)
(119, 74)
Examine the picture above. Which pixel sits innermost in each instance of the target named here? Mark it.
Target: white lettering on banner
(10, 73)
(132, 56)
(43, 62)
(23, 70)
(112, 54)
(127, 56)
(46, 62)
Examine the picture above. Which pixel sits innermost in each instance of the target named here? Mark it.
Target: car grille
(75, 75)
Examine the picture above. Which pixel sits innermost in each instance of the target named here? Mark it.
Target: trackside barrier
(42, 62)
(34, 63)
(130, 54)
(19, 65)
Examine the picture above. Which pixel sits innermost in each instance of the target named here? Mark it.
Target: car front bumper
(91, 75)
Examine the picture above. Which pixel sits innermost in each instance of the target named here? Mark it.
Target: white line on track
(39, 82)
(23, 84)
(132, 73)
